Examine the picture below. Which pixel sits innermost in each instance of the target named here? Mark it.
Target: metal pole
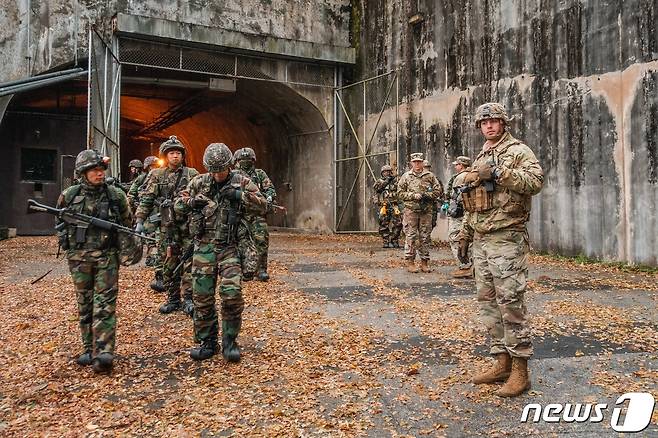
(335, 150)
(365, 138)
(90, 62)
(397, 120)
(28, 51)
(366, 80)
(11, 84)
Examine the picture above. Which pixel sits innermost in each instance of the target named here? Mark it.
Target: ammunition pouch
(478, 199)
(167, 215)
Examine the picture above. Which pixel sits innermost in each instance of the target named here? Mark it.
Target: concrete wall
(580, 76)
(58, 29)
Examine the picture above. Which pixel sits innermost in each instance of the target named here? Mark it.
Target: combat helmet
(217, 157)
(173, 144)
(245, 154)
(89, 159)
(135, 163)
(386, 167)
(491, 110)
(148, 161)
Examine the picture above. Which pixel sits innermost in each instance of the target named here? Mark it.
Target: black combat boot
(188, 306)
(386, 244)
(206, 350)
(170, 306)
(262, 269)
(395, 244)
(103, 363)
(157, 284)
(84, 359)
(230, 347)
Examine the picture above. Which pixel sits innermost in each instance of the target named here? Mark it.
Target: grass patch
(582, 259)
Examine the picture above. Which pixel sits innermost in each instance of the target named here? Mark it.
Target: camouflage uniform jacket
(424, 183)
(521, 177)
(387, 192)
(133, 192)
(455, 182)
(216, 215)
(263, 182)
(162, 185)
(105, 202)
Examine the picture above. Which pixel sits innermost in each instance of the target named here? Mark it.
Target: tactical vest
(168, 188)
(218, 221)
(102, 204)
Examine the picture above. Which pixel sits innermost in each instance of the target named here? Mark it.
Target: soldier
(220, 196)
(136, 168)
(390, 219)
(245, 159)
(418, 189)
(454, 209)
(163, 186)
(93, 256)
(151, 225)
(435, 207)
(497, 198)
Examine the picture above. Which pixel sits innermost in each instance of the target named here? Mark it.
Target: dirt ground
(341, 342)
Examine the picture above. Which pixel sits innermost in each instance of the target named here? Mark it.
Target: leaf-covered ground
(341, 342)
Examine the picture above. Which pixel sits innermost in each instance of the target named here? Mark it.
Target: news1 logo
(638, 412)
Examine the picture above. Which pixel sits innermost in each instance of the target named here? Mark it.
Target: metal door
(362, 148)
(103, 100)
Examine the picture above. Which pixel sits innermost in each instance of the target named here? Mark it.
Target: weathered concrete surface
(341, 342)
(580, 76)
(58, 28)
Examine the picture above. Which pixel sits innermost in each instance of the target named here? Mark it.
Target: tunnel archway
(288, 133)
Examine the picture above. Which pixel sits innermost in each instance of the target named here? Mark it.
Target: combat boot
(499, 372)
(230, 347)
(170, 306)
(386, 244)
(425, 266)
(395, 244)
(103, 363)
(462, 273)
(157, 284)
(262, 268)
(206, 350)
(411, 267)
(518, 381)
(188, 306)
(84, 359)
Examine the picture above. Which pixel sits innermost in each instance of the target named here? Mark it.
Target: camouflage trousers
(96, 286)
(181, 281)
(390, 226)
(454, 226)
(261, 236)
(213, 263)
(417, 229)
(154, 255)
(501, 269)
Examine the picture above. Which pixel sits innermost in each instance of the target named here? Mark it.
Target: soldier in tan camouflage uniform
(418, 189)
(497, 199)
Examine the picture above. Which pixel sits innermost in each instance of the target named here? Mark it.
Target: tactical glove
(233, 194)
(462, 253)
(139, 226)
(486, 172)
(197, 203)
(444, 207)
(471, 177)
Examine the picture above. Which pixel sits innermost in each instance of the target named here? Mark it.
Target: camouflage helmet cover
(135, 163)
(172, 144)
(217, 157)
(89, 159)
(386, 168)
(491, 110)
(245, 154)
(150, 160)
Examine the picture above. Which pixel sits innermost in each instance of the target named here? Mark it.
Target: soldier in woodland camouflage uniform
(419, 190)
(497, 195)
(93, 256)
(218, 200)
(390, 217)
(151, 226)
(454, 209)
(245, 160)
(163, 186)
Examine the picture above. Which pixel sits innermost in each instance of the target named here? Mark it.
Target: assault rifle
(73, 217)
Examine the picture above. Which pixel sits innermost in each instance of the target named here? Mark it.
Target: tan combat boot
(462, 273)
(518, 381)
(499, 372)
(425, 266)
(411, 267)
